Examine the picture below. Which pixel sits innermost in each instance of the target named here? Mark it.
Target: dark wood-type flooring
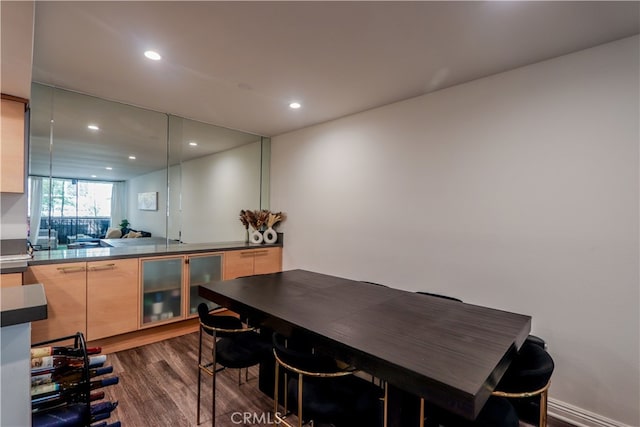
(158, 387)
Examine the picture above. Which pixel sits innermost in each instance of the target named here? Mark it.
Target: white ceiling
(239, 64)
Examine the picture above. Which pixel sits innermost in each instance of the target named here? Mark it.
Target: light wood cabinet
(12, 143)
(112, 297)
(10, 279)
(65, 286)
(252, 261)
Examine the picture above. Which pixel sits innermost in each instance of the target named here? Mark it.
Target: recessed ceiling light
(94, 176)
(132, 157)
(295, 105)
(93, 127)
(109, 168)
(193, 143)
(153, 55)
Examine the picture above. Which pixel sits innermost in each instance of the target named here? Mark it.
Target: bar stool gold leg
(422, 412)
(543, 409)
(213, 385)
(275, 391)
(385, 412)
(299, 400)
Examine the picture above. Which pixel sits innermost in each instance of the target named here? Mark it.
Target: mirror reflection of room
(106, 174)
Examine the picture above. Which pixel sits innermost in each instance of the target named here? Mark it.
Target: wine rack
(74, 406)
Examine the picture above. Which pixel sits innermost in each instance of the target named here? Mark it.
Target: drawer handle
(71, 269)
(255, 252)
(103, 267)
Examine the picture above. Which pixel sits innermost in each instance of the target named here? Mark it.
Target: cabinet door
(66, 292)
(202, 269)
(267, 261)
(238, 264)
(161, 290)
(10, 279)
(12, 147)
(112, 297)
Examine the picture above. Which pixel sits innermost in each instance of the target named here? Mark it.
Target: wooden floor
(158, 387)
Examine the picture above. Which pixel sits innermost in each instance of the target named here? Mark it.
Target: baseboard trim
(579, 417)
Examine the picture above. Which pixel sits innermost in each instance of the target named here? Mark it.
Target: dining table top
(451, 353)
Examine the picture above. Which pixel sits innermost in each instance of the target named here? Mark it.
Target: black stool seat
(244, 350)
(324, 392)
(348, 401)
(497, 412)
(530, 371)
(527, 381)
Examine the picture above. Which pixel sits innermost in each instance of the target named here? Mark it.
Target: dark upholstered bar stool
(527, 380)
(323, 391)
(233, 346)
(497, 412)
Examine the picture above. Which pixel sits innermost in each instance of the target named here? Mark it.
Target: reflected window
(68, 211)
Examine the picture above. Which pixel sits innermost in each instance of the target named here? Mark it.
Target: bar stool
(529, 376)
(323, 391)
(497, 412)
(233, 346)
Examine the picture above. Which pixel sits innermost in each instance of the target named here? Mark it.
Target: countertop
(137, 251)
(22, 304)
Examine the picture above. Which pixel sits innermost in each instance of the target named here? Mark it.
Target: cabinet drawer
(252, 261)
(66, 292)
(238, 263)
(267, 260)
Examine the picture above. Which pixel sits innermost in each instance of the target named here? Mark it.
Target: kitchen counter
(22, 304)
(19, 306)
(138, 251)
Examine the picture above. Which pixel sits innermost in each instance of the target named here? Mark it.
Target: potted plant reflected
(124, 226)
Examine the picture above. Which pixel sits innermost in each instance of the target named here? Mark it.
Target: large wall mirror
(95, 163)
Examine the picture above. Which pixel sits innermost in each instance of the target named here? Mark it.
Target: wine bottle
(71, 415)
(48, 362)
(104, 424)
(70, 387)
(66, 376)
(103, 408)
(74, 415)
(63, 351)
(56, 401)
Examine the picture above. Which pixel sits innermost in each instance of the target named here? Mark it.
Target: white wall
(214, 190)
(154, 222)
(517, 191)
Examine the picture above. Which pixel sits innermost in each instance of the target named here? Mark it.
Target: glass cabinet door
(202, 269)
(161, 290)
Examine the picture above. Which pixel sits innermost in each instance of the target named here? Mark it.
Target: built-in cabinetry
(252, 261)
(65, 287)
(169, 285)
(161, 289)
(10, 279)
(97, 298)
(12, 143)
(203, 268)
(112, 297)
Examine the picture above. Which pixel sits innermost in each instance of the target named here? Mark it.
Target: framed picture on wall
(148, 201)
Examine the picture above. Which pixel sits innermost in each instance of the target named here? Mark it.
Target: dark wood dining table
(450, 353)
